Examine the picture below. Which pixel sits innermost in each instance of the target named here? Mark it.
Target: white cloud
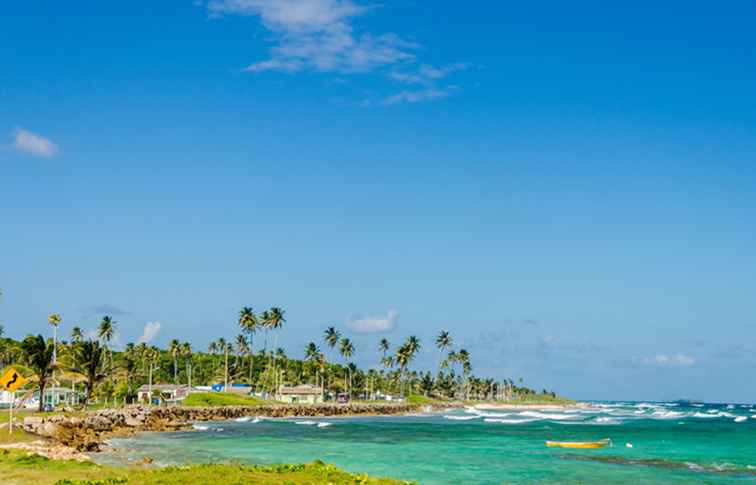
(373, 324)
(317, 35)
(417, 96)
(151, 330)
(33, 144)
(427, 74)
(663, 360)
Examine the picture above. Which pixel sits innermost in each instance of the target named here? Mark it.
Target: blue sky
(567, 188)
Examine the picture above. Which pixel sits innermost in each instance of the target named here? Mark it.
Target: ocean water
(652, 443)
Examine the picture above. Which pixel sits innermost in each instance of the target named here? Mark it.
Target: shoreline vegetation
(91, 391)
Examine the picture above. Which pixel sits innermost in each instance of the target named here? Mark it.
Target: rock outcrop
(88, 431)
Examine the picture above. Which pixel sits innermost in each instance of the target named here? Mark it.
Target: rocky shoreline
(88, 432)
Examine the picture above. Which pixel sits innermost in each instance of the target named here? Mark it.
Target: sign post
(11, 381)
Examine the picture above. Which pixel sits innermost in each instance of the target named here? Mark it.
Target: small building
(163, 393)
(303, 394)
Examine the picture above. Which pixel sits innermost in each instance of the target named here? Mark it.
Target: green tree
(443, 342)
(346, 349)
(174, 348)
(249, 323)
(89, 360)
(38, 355)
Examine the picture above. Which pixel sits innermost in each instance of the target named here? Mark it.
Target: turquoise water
(671, 444)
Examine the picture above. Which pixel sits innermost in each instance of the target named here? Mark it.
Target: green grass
(541, 399)
(220, 399)
(416, 399)
(17, 467)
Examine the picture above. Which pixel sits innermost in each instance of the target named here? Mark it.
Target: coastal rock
(89, 432)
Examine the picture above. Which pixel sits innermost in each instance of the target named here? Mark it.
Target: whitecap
(508, 421)
(740, 419)
(324, 424)
(199, 427)
(306, 423)
(667, 414)
(537, 415)
(461, 418)
(607, 420)
(243, 419)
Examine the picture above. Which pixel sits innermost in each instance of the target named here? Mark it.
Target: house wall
(300, 398)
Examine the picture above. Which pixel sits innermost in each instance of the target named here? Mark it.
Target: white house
(306, 394)
(169, 393)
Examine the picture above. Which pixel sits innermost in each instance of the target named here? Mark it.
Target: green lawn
(18, 468)
(220, 399)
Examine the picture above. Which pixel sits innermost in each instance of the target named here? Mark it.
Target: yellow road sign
(12, 380)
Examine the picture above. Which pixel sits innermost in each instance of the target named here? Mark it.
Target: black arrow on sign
(12, 381)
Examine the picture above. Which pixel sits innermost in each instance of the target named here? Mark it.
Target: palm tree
(186, 352)
(312, 353)
(54, 320)
(331, 337)
(384, 346)
(265, 320)
(106, 330)
(276, 320)
(39, 356)
(77, 335)
(248, 322)
(405, 355)
(174, 348)
(152, 356)
(443, 342)
(89, 360)
(346, 349)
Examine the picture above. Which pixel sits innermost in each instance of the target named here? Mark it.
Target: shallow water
(671, 444)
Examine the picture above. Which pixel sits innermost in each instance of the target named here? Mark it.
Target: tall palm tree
(346, 349)
(186, 352)
(89, 360)
(331, 337)
(265, 322)
(405, 355)
(38, 355)
(249, 323)
(276, 320)
(443, 342)
(312, 353)
(384, 346)
(174, 348)
(152, 357)
(54, 320)
(106, 330)
(77, 335)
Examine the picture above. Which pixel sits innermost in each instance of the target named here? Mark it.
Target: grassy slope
(19, 468)
(220, 399)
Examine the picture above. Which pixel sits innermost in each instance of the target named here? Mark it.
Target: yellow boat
(579, 444)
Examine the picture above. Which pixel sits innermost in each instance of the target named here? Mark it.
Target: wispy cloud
(417, 96)
(664, 360)
(31, 143)
(427, 74)
(151, 329)
(317, 35)
(373, 324)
